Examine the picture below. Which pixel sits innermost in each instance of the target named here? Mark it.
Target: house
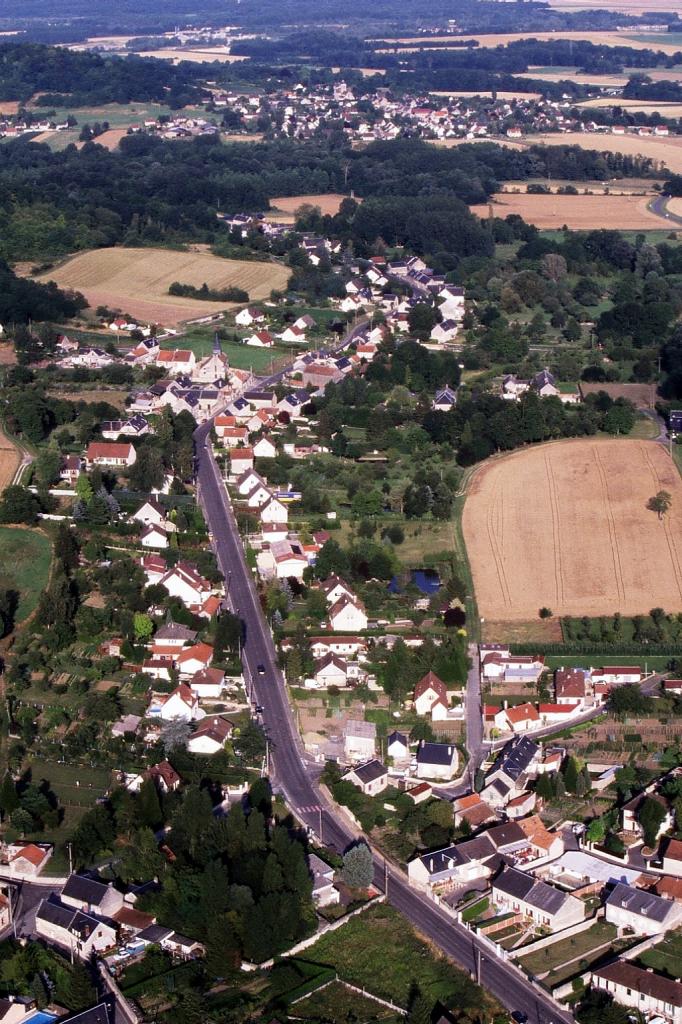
(429, 692)
(325, 892)
(26, 860)
(331, 670)
(154, 568)
(398, 748)
(445, 331)
(419, 793)
(335, 588)
(92, 896)
(126, 724)
(445, 400)
(616, 675)
(274, 511)
(672, 858)
(182, 703)
(185, 582)
(521, 805)
(512, 668)
(371, 777)
(318, 375)
(514, 765)
(153, 536)
(646, 992)
(208, 683)
(520, 718)
(264, 448)
(176, 361)
(293, 335)
(194, 659)
(359, 740)
(513, 388)
(250, 315)
(520, 893)
(454, 866)
(76, 932)
(630, 812)
(70, 469)
(210, 736)
(641, 912)
(259, 495)
(545, 844)
(672, 687)
(151, 513)
(136, 426)
(347, 614)
(473, 810)
(571, 685)
(241, 460)
(164, 777)
(436, 760)
(110, 453)
(260, 339)
(544, 384)
(175, 635)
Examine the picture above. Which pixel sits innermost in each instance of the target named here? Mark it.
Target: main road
(267, 689)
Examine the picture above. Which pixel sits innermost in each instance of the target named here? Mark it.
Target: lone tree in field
(660, 503)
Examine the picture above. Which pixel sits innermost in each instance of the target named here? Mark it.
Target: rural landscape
(341, 512)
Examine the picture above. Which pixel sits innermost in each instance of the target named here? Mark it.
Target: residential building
(630, 812)
(347, 614)
(436, 761)
(520, 893)
(182, 703)
(110, 453)
(429, 692)
(398, 749)
(641, 912)
(92, 896)
(208, 683)
(371, 777)
(210, 735)
(514, 765)
(77, 932)
(672, 858)
(474, 810)
(325, 893)
(643, 990)
(27, 860)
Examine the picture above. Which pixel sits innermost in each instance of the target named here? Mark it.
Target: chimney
(505, 704)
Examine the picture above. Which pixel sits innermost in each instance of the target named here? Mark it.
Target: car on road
(260, 669)
(259, 709)
(519, 1016)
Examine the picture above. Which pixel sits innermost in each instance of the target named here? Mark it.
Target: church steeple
(217, 347)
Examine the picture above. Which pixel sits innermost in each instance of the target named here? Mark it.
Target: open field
(624, 186)
(110, 139)
(379, 951)
(328, 202)
(25, 557)
(365, 72)
(667, 152)
(242, 357)
(116, 398)
(607, 38)
(501, 95)
(9, 106)
(573, 75)
(675, 205)
(576, 212)
(337, 1004)
(207, 56)
(565, 526)
(137, 280)
(623, 6)
(10, 458)
(672, 110)
(643, 396)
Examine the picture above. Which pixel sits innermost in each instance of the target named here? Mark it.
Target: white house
(429, 693)
(520, 893)
(241, 460)
(257, 497)
(181, 703)
(644, 991)
(274, 511)
(371, 777)
(150, 513)
(208, 683)
(630, 812)
(154, 536)
(260, 339)
(26, 860)
(398, 748)
(250, 315)
(185, 582)
(210, 736)
(347, 614)
(194, 659)
(110, 453)
(335, 588)
(325, 892)
(616, 675)
(436, 760)
(641, 912)
(445, 331)
(672, 858)
(82, 934)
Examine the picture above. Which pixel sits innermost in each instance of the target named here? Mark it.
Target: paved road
(659, 206)
(474, 718)
(288, 767)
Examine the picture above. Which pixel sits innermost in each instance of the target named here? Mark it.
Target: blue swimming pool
(41, 1017)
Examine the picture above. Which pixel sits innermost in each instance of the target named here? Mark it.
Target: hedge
(602, 650)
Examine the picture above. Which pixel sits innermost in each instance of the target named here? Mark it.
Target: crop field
(137, 280)
(501, 95)
(207, 56)
(643, 396)
(612, 38)
(576, 212)
(672, 110)
(328, 202)
(89, 395)
(573, 75)
(9, 460)
(565, 526)
(25, 557)
(664, 152)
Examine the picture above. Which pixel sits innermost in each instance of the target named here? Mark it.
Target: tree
(227, 636)
(78, 992)
(628, 700)
(358, 869)
(544, 787)
(596, 831)
(651, 815)
(9, 799)
(174, 735)
(571, 775)
(660, 503)
(84, 488)
(143, 626)
(420, 1009)
(18, 505)
(421, 320)
(149, 806)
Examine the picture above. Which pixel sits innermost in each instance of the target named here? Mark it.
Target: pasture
(137, 280)
(328, 202)
(576, 212)
(565, 526)
(25, 557)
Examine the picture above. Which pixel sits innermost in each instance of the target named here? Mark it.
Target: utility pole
(319, 826)
(70, 860)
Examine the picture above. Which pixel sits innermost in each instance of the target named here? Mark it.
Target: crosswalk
(309, 809)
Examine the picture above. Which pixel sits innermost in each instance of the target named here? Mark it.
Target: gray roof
(54, 912)
(524, 887)
(154, 933)
(442, 862)
(85, 890)
(637, 901)
(175, 631)
(370, 771)
(356, 727)
(506, 834)
(514, 759)
(99, 1014)
(436, 753)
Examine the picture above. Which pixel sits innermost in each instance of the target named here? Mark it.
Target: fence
(352, 988)
(549, 940)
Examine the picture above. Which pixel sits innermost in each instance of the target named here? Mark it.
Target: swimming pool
(41, 1017)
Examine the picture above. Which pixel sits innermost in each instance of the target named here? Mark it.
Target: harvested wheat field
(10, 457)
(207, 56)
(137, 280)
(576, 212)
(565, 526)
(328, 202)
(606, 38)
(664, 152)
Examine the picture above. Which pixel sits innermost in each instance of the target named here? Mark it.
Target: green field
(242, 357)
(77, 787)
(379, 950)
(337, 1004)
(25, 557)
(581, 950)
(119, 115)
(666, 957)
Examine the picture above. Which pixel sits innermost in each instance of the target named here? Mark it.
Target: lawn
(581, 949)
(644, 429)
(666, 957)
(25, 557)
(378, 950)
(75, 785)
(242, 357)
(337, 1004)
